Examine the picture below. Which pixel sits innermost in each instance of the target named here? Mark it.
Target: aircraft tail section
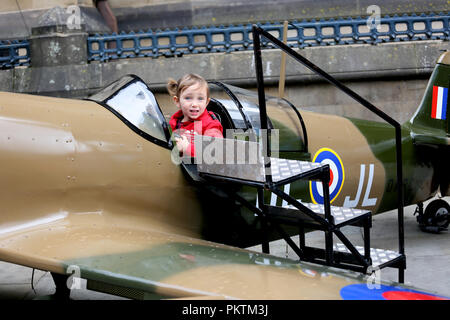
(432, 116)
(430, 123)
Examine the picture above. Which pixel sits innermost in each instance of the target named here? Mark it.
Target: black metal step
(285, 170)
(380, 257)
(342, 216)
(344, 259)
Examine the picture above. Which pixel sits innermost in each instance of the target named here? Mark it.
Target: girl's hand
(182, 143)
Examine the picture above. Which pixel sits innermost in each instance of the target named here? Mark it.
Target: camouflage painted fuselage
(81, 191)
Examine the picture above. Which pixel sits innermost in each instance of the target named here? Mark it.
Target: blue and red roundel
(382, 292)
(337, 175)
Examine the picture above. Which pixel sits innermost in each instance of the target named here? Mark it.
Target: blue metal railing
(14, 53)
(302, 34)
(177, 42)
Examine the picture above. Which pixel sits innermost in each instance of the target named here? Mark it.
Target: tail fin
(429, 125)
(433, 112)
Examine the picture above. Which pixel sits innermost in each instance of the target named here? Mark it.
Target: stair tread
(378, 256)
(282, 169)
(340, 214)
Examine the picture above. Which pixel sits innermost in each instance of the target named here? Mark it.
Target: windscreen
(131, 98)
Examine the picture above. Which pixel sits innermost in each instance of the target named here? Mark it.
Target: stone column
(59, 39)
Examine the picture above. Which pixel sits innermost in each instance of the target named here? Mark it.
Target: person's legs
(107, 14)
(109, 17)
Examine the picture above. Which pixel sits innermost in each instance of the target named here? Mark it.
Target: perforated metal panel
(340, 214)
(283, 168)
(378, 256)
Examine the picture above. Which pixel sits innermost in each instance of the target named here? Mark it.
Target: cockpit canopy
(241, 108)
(237, 109)
(131, 99)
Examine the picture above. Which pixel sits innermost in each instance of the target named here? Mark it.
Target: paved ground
(15, 283)
(428, 257)
(427, 254)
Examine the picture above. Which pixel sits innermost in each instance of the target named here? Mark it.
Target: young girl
(191, 95)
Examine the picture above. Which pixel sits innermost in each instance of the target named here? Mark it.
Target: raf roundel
(361, 291)
(337, 175)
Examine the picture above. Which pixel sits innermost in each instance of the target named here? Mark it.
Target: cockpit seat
(221, 113)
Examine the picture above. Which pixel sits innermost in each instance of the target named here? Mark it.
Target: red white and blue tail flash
(439, 103)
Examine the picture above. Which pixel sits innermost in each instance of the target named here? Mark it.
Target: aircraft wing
(90, 196)
(146, 263)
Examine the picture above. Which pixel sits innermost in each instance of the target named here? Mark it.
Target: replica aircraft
(90, 187)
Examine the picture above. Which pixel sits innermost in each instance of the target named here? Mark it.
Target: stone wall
(133, 15)
(392, 76)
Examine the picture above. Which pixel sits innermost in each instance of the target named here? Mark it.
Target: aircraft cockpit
(238, 113)
(238, 109)
(130, 99)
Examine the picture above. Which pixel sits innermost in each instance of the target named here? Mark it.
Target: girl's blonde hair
(175, 88)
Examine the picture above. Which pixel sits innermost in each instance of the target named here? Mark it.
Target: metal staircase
(330, 220)
(276, 173)
(273, 173)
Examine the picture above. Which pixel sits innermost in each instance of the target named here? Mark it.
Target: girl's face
(192, 101)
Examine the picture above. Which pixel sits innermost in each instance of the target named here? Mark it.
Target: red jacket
(206, 125)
